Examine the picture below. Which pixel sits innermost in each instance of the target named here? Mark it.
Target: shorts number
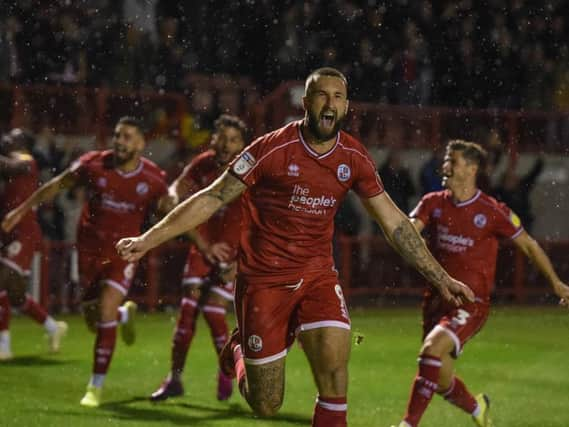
(461, 318)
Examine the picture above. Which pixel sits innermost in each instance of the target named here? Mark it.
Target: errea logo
(293, 169)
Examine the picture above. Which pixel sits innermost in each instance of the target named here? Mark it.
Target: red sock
(215, 317)
(34, 310)
(104, 346)
(183, 334)
(458, 395)
(330, 412)
(240, 372)
(5, 311)
(424, 386)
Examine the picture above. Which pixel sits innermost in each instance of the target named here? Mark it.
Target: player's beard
(313, 122)
(122, 157)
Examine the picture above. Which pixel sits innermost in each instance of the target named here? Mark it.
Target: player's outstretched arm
(186, 216)
(537, 255)
(403, 236)
(46, 192)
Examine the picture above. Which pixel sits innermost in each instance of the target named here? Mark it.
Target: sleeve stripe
(265, 156)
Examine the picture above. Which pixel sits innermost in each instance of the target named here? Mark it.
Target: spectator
(397, 180)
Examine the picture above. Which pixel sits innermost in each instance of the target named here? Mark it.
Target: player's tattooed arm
(186, 216)
(405, 238)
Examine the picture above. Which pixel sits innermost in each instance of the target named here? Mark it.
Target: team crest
(244, 163)
(142, 188)
(14, 248)
(255, 343)
(102, 181)
(293, 169)
(480, 220)
(344, 172)
(437, 212)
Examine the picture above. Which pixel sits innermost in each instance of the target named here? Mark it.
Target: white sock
(50, 325)
(97, 380)
(124, 314)
(5, 340)
(476, 412)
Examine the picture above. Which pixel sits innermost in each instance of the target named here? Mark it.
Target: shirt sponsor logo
(255, 343)
(244, 163)
(480, 220)
(455, 243)
(293, 169)
(108, 202)
(302, 201)
(142, 188)
(344, 172)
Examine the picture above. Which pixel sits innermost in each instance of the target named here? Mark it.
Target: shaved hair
(325, 71)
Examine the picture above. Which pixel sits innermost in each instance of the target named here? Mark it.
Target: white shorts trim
(324, 324)
(267, 359)
(14, 266)
(116, 285)
(213, 309)
(338, 407)
(222, 292)
(457, 347)
(189, 281)
(429, 362)
(107, 324)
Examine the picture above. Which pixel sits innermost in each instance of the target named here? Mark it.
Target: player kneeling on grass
(293, 180)
(209, 274)
(464, 226)
(122, 188)
(19, 177)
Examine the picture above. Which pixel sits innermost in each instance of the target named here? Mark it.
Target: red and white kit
(223, 226)
(287, 280)
(18, 246)
(117, 205)
(463, 237)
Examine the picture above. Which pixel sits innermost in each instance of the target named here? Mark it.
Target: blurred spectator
(515, 191)
(397, 180)
(430, 173)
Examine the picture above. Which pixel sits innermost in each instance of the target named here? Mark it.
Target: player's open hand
(562, 291)
(456, 292)
(11, 219)
(131, 249)
(218, 252)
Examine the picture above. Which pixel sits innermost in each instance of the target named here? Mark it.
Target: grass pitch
(520, 359)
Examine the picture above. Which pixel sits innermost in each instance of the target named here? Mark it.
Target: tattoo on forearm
(411, 246)
(226, 188)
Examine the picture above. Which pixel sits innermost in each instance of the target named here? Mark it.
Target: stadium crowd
(510, 54)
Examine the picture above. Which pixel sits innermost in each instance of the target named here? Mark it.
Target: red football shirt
(16, 189)
(224, 225)
(293, 195)
(463, 237)
(117, 202)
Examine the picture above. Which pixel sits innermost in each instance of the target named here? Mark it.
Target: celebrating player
(287, 285)
(463, 226)
(209, 273)
(122, 187)
(19, 174)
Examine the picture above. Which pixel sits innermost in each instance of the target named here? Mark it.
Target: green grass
(520, 359)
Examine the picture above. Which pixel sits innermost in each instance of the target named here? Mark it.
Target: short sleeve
(367, 182)
(506, 223)
(79, 167)
(247, 166)
(422, 211)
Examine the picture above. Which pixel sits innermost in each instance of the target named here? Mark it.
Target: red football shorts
(270, 316)
(200, 273)
(95, 269)
(19, 246)
(460, 323)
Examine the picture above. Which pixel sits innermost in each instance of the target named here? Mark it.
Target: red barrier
(368, 267)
